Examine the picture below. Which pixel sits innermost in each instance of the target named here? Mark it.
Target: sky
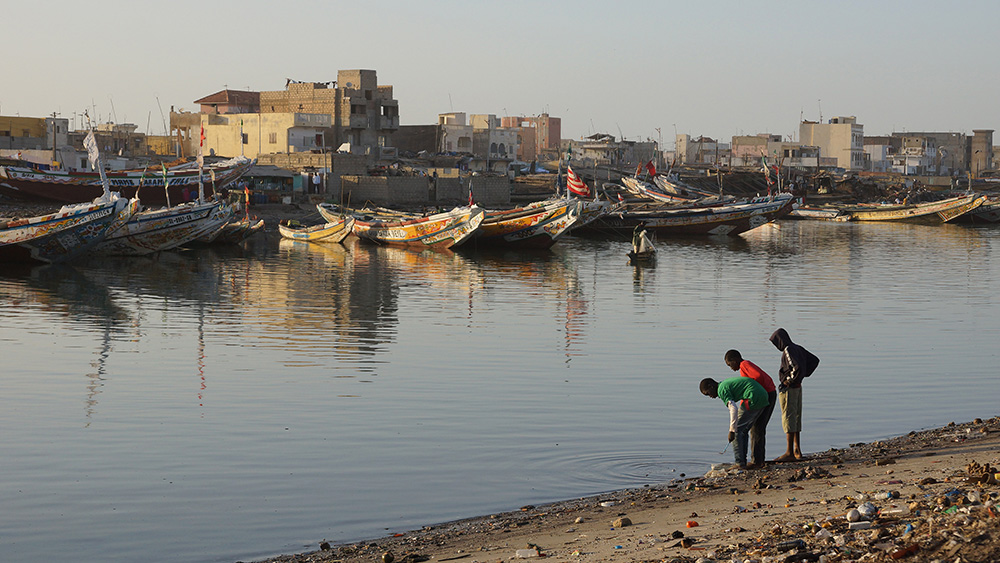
(634, 69)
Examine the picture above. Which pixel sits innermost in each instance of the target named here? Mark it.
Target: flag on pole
(767, 171)
(90, 143)
(575, 184)
(201, 148)
(638, 170)
(651, 168)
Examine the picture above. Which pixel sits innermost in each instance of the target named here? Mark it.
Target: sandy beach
(931, 495)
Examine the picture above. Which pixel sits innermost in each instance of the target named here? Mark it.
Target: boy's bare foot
(784, 457)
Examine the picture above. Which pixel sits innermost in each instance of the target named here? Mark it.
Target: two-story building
(841, 138)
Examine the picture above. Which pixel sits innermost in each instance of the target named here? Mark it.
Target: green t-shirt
(737, 389)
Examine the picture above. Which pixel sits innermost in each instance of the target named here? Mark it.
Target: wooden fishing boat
(65, 234)
(334, 231)
(642, 189)
(64, 186)
(988, 212)
(728, 219)
(678, 188)
(154, 230)
(440, 230)
(819, 213)
(933, 212)
(537, 225)
(237, 231)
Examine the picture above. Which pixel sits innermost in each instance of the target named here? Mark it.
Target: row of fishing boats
(114, 225)
(537, 225)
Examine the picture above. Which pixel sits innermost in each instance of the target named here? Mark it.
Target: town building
(455, 133)
(491, 141)
(602, 149)
(538, 136)
(361, 118)
(701, 150)
(841, 138)
(980, 151)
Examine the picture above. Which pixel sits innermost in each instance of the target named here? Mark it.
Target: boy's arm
(733, 412)
(794, 369)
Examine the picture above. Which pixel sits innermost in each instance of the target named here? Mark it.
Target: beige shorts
(791, 409)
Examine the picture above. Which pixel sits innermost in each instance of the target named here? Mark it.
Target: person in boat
(637, 236)
(746, 368)
(746, 400)
(796, 363)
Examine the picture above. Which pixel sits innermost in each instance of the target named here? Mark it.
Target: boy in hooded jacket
(796, 364)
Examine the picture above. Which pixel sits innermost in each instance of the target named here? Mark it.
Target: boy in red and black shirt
(757, 432)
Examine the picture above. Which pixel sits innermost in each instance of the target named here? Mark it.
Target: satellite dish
(943, 153)
(350, 85)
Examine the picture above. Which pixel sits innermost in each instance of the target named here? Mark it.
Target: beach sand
(934, 496)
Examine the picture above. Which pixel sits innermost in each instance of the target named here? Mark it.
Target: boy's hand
(732, 436)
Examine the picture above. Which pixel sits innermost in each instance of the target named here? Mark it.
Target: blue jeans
(744, 421)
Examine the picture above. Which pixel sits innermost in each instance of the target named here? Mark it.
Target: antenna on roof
(820, 104)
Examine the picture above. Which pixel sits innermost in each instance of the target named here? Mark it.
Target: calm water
(221, 405)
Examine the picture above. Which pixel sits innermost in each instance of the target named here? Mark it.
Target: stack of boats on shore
(113, 224)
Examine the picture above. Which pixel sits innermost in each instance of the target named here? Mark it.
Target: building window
(272, 138)
(246, 138)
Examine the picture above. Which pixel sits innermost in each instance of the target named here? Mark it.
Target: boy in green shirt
(746, 400)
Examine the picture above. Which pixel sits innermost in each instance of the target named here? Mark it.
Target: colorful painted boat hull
(932, 213)
(61, 236)
(535, 226)
(165, 229)
(334, 231)
(441, 230)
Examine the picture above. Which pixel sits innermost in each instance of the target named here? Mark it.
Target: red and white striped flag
(575, 185)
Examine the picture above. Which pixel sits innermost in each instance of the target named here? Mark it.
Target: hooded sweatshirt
(794, 361)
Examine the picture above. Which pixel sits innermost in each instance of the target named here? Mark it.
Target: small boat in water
(334, 231)
(537, 225)
(237, 231)
(932, 212)
(643, 250)
(440, 230)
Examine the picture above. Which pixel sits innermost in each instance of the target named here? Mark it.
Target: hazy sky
(626, 68)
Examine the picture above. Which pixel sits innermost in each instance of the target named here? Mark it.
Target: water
(224, 405)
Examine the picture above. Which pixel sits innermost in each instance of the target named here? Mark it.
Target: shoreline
(934, 498)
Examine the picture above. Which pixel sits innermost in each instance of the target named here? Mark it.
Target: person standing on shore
(796, 363)
(746, 400)
(757, 432)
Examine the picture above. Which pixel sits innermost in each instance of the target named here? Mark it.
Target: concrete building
(980, 151)
(230, 101)
(701, 150)
(538, 135)
(949, 158)
(362, 116)
(917, 155)
(492, 141)
(878, 153)
(841, 138)
(455, 133)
